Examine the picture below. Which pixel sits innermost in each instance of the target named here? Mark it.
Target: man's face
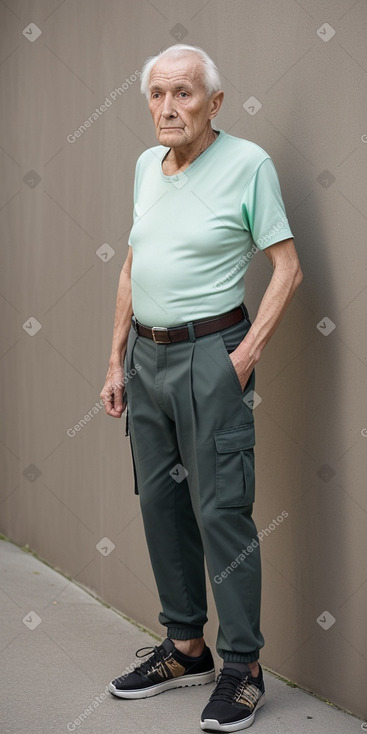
(178, 100)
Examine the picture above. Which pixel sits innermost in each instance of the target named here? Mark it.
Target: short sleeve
(136, 186)
(262, 207)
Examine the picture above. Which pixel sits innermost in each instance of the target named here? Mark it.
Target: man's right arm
(113, 390)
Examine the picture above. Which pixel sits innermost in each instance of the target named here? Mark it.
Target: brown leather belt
(163, 335)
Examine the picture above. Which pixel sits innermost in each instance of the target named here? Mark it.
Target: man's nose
(168, 109)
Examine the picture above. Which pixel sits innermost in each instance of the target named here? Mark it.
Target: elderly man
(204, 202)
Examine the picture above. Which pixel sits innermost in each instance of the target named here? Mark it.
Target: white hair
(210, 72)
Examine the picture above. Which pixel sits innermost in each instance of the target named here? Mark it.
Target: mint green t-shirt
(195, 233)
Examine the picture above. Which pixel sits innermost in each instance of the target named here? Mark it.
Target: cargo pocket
(235, 477)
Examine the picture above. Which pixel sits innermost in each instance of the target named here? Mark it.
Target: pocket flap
(235, 439)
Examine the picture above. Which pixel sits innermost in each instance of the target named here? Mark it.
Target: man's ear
(216, 104)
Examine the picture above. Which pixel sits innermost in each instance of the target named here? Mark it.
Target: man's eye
(184, 94)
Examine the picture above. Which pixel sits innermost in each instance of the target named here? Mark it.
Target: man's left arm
(286, 277)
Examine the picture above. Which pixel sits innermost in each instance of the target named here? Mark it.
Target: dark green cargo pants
(192, 438)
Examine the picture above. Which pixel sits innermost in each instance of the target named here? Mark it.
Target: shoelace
(155, 655)
(226, 687)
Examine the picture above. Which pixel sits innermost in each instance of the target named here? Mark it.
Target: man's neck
(177, 159)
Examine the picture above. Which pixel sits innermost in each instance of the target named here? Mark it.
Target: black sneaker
(234, 701)
(166, 668)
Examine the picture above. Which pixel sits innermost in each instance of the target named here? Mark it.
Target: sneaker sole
(214, 725)
(199, 679)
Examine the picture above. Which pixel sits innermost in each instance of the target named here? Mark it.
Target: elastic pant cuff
(234, 657)
(184, 632)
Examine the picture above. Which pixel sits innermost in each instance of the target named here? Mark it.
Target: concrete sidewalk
(60, 648)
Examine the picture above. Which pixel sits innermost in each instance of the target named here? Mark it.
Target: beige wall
(312, 415)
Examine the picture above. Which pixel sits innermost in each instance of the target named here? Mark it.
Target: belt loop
(133, 323)
(191, 330)
(245, 311)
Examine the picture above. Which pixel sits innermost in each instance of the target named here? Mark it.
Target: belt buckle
(161, 330)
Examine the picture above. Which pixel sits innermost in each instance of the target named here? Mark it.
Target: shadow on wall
(318, 527)
(302, 409)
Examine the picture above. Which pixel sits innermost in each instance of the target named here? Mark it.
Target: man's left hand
(243, 365)
(286, 277)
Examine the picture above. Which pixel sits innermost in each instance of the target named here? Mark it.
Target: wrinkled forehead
(171, 72)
